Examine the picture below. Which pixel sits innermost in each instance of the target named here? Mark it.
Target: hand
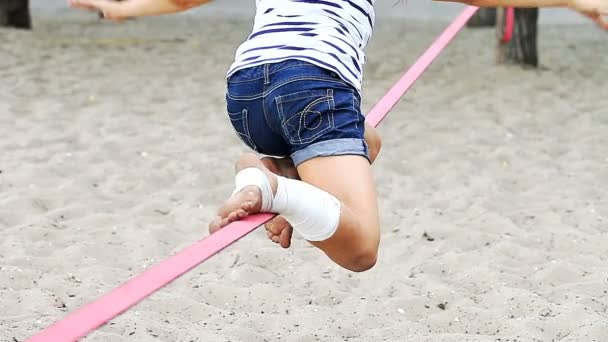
(593, 9)
(189, 3)
(111, 9)
(597, 18)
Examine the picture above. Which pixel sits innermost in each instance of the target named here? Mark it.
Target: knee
(363, 260)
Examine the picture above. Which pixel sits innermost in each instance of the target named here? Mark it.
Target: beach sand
(493, 189)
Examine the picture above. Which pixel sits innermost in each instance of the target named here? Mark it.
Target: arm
(514, 3)
(117, 10)
(594, 9)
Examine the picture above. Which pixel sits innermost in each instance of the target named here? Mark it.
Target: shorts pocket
(241, 127)
(306, 115)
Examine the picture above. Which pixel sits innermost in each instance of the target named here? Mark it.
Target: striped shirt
(331, 34)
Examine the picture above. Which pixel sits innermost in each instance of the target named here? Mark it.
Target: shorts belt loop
(266, 74)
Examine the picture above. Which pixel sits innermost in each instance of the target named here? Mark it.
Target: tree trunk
(522, 47)
(484, 17)
(15, 13)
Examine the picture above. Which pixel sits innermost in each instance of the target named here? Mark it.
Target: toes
(220, 222)
(240, 214)
(279, 231)
(236, 215)
(224, 222)
(277, 225)
(285, 237)
(231, 217)
(274, 227)
(214, 226)
(272, 237)
(246, 200)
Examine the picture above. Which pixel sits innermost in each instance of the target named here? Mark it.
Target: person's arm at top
(513, 3)
(118, 10)
(593, 9)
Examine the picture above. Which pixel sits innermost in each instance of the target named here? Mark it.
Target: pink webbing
(97, 313)
(379, 111)
(507, 34)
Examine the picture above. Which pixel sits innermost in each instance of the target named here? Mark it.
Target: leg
(278, 229)
(354, 245)
(319, 119)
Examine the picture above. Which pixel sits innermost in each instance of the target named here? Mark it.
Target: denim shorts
(297, 109)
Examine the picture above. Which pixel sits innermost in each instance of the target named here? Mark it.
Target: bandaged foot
(312, 212)
(278, 229)
(254, 190)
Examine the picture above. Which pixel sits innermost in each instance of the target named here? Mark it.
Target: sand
(493, 186)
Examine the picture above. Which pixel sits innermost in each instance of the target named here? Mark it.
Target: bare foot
(245, 202)
(278, 229)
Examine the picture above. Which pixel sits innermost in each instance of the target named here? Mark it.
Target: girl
(293, 91)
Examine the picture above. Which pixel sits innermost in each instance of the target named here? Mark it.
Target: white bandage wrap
(257, 177)
(312, 212)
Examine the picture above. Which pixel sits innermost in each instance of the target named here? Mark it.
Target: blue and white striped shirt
(331, 34)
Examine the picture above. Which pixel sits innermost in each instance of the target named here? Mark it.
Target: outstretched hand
(121, 10)
(596, 10)
(598, 19)
(111, 9)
